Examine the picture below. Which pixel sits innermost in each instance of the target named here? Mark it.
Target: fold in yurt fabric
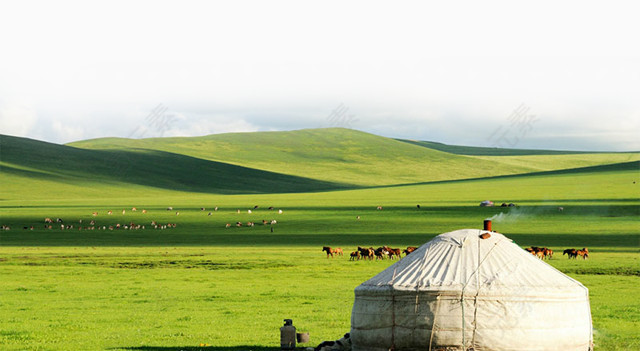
(461, 292)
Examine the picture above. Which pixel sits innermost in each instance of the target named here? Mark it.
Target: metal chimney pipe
(487, 225)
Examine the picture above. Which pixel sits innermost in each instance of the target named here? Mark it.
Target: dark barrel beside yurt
(466, 290)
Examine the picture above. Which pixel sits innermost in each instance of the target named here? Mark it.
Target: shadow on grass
(158, 169)
(23, 238)
(202, 348)
(622, 166)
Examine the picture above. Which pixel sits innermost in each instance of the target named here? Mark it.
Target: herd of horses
(546, 253)
(369, 253)
(573, 253)
(540, 252)
(382, 252)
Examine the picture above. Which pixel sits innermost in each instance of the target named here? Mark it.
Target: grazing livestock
(94, 214)
(248, 211)
(209, 214)
(109, 212)
(366, 252)
(354, 256)
(409, 250)
(144, 211)
(216, 208)
(394, 253)
(330, 251)
(133, 209)
(540, 252)
(279, 211)
(379, 208)
(228, 225)
(169, 208)
(380, 253)
(584, 253)
(255, 207)
(560, 209)
(571, 253)
(48, 220)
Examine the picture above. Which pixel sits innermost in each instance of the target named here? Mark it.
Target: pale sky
(539, 74)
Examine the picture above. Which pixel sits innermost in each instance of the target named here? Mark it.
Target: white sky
(453, 72)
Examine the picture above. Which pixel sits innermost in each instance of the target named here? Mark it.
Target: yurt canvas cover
(461, 292)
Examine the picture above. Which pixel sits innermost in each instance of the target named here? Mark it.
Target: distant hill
(45, 162)
(332, 155)
(489, 151)
(263, 162)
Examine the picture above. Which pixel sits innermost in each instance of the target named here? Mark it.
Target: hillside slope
(44, 167)
(332, 155)
(487, 151)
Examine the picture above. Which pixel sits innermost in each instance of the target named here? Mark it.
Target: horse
(394, 253)
(571, 253)
(584, 253)
(380, 253)
(354, 256)
(409, 250)
(330, 251)
(366, 252)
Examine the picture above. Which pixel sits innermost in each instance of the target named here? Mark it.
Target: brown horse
(394, 253)
(330, 251)
(571, 253)
(584, 253)
(366, 252)
(409, 250)
(354, 256)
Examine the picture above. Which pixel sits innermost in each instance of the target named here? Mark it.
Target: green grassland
(230, 288)
(348, 156)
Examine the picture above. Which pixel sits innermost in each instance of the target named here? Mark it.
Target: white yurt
(466, 290)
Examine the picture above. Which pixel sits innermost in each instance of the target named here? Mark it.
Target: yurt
(468, 290)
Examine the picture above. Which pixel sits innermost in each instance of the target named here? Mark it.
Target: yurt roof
(462, 262)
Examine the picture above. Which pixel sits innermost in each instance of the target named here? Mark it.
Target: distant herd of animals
(383, 252)
(369, 253)
(546, 253)
(80, 224)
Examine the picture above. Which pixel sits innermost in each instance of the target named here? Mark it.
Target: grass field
(230, 288)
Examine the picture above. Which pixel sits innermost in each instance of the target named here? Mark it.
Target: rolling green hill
(43, 168)
(332, 155)
(487, 151)
(263, 162)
